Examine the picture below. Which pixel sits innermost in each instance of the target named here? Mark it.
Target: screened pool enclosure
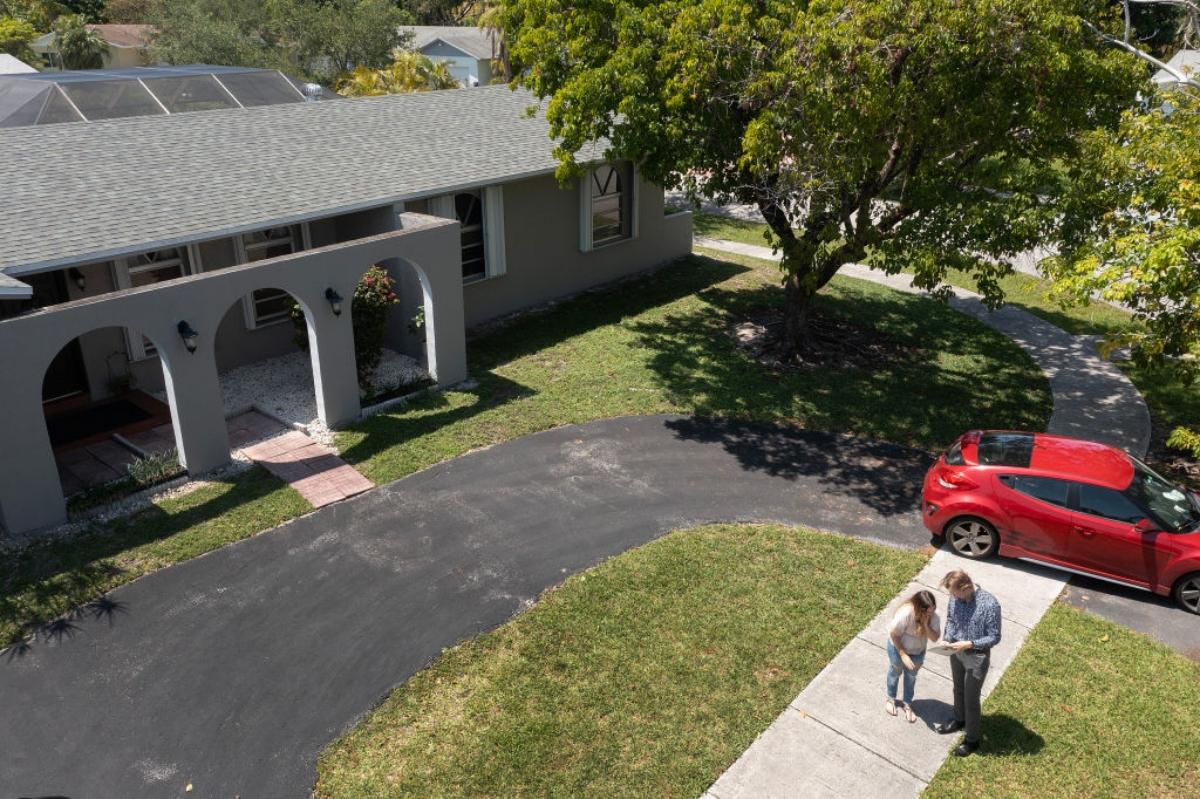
(47, 98)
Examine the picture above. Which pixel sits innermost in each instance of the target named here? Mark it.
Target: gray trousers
(969, 670)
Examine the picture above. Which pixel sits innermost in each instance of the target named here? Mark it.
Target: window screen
(1100, 501)
(1005, 449)
(468, 208)
(111, 99)
(609, 205)
(194, 93)
(261, 88)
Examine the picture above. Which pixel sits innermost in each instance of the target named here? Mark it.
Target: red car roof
(1084, 460)
(1060, 456)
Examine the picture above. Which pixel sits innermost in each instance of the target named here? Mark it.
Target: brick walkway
(313, 469)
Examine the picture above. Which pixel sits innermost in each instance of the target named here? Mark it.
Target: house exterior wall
(30, 492)
(459, 62)
(544, 262)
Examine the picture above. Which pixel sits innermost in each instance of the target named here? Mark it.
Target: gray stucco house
(162, 251)
(468, 52)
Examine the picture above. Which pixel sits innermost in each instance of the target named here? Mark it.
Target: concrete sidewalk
(836, 740)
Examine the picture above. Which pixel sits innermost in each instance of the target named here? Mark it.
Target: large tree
(317, 40)
(914, 133)
(1130, 230)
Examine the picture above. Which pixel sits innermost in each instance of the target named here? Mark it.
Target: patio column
(197, 408)
(335, 373)
(30, 492)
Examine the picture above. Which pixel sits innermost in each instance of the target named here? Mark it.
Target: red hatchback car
(1075, 505)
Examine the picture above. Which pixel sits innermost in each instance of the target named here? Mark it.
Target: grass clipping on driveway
(647, 675)
(1089, 708)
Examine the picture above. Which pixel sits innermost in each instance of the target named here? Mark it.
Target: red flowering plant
(375, 293)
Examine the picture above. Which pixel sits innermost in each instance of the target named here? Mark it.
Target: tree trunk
(797, 309)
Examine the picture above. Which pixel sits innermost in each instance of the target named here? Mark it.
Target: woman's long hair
(921, 602)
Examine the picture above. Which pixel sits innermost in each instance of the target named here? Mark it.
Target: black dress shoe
(947, 727)
(965, 748)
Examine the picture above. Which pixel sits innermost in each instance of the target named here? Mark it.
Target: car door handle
(1085, 532)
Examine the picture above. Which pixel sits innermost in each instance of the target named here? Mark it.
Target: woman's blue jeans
(896, 668)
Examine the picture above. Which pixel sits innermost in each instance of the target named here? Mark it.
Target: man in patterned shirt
(973, 627)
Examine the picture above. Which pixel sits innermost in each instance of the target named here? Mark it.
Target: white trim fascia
(21, 292)
(51, 264)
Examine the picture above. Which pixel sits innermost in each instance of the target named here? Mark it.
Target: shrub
(1182, 438)
(375, 293)
(154, 469)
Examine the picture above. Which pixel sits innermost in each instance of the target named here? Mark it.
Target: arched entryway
(104, 408)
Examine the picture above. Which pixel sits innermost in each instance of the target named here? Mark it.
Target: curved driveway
(233, 670)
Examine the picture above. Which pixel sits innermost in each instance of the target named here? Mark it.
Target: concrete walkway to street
(834, 739)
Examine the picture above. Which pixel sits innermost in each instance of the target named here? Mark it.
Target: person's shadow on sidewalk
(1002, 734)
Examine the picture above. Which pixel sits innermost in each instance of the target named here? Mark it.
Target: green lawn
(657, 345)
(1021, 290)
(661, 346)
(1088, 708)
(644, 676)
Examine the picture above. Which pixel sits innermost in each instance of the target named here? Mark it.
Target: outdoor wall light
(77, 278)
(335, 301)
(189, 336)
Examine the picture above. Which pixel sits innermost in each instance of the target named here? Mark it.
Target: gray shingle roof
(471, 40)
(84, 191)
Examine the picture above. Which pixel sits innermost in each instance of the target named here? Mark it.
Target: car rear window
(1005, 449)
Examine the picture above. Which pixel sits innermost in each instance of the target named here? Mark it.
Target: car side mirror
(1145, 526)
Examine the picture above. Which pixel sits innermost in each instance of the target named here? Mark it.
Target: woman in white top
(914, 625)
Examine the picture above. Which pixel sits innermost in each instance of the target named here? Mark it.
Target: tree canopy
(15, 36)
(408, 72)
(913, 133)
(79, 47)
(316, 40)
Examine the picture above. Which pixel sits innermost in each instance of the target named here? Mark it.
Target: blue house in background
(467, 51)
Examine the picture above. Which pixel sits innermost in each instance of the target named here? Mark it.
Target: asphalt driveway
(233, 670)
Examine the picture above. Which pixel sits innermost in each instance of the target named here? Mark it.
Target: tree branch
(1142, 54)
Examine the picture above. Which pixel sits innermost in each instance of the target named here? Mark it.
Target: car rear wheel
(1187, 593)
(972, 538)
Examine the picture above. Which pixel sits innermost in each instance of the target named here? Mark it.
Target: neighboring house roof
(11, 65)
(125, 35)
(134, 36)
(94, 191)
(470, 40)
(1185, 61)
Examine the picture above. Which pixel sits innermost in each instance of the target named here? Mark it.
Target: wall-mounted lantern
(335, 301)
(77, 278)
(190, 337)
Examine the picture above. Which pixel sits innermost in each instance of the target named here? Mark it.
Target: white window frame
(137, 346)
(629, 192)
(249, 314)
(494, 253)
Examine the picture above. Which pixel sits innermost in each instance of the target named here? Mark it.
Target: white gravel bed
(283, 388)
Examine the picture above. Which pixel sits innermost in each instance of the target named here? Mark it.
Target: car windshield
(1170, 503)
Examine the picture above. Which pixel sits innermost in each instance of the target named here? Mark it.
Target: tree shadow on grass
(958, 373)
(52, 578)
